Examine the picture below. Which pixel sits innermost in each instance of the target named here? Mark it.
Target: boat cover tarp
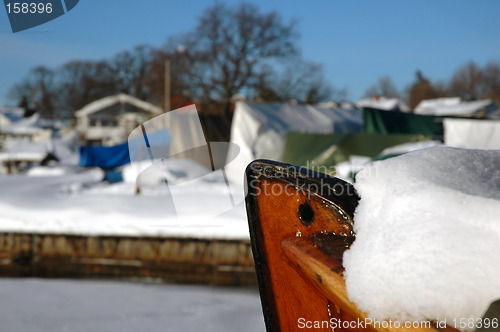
(316, 150)
(472, 134)
(260, 129)
(390, 122)
(106, 157)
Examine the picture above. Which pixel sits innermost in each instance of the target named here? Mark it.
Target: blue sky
(356, 41)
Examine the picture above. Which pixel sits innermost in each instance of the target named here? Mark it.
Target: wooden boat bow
(301, 222)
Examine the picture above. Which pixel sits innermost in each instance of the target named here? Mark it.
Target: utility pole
(33, 99)
(167, 86)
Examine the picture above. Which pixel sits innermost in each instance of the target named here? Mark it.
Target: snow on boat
(301, 224)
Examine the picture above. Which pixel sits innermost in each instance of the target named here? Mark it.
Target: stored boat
(301, 222)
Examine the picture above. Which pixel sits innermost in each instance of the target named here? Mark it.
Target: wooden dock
(179, 260)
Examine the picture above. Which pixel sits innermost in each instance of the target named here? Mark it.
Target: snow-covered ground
(67, 199)
(427, 236)
(36, 305)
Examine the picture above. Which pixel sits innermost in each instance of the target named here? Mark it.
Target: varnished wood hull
(300, 225)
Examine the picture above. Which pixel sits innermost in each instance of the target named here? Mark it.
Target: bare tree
(22, 93)
(473, 82)
(467, 82)
(422, 89)
(232, 50)
(38, 90)
(230, 46)
(491, 81)
(181, 71)
(383, 87)
(131, 70)
(81, 82)
(295, 79)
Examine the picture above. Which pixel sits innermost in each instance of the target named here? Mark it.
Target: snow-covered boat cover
(259, 129)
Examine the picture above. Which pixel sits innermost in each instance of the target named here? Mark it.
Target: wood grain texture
(300, 225)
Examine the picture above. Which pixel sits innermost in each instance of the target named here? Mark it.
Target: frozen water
(30, 305)
(427, 235)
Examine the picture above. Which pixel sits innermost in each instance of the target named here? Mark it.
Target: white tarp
(472, 134)
(259, 129)
(383, 103)
(456, 107)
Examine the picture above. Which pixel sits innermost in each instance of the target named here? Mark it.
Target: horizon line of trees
(233, 50)
(469, 82)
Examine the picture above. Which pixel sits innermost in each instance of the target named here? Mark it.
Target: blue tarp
(113, 176)
(104, 156)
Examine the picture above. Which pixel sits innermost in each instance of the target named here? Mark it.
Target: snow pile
(49, 171)
(408, 147)
(456, 107)
(428, 236)
(346, 170)
(428, 106)
(383, 103)
(28, 126)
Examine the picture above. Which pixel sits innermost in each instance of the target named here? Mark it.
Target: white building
(109, 121)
